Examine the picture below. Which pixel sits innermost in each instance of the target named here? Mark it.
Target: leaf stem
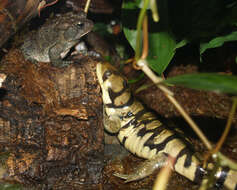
(143, 65)
(228, 126)
(139, 27)
(145, 38)
(87, 6)
(145, 47)
(223, 137)
(155, 14)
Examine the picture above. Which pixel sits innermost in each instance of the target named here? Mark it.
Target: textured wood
(15, 13)
(46, 140)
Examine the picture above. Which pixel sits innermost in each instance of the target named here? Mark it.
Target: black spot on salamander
(114, 95)
(155, 131)
(188, 160)
(129, 114)
(134, 122)
(128, 103)
(124, 140)
(106, 75)
(140, 114)
(160, 146)
(131, 123)
(221, 180)
(199, 174)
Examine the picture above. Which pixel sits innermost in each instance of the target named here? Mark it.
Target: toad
(53, 41)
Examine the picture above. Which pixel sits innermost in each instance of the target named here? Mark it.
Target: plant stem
(227, 128)
(154, 10)
(87, 6)
(145, 38)
(143, 65)
(139, 28)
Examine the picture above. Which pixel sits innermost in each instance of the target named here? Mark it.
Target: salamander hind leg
(144, 169)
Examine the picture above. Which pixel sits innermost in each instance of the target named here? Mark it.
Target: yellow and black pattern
(140, 131)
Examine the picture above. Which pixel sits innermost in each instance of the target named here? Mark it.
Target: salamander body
(140, 131)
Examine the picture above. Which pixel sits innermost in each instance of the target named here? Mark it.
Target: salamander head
(115, 90)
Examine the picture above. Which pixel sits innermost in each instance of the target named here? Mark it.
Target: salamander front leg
(144, 169)
(111, 124)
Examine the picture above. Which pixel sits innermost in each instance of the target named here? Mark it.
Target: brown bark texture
(15, 13)
(51, 124)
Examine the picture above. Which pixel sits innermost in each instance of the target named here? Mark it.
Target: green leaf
(127, 4)
(206, 81)
(181, 43)
(131, 36)
(161, 50)
(162, 44)
(217, 42)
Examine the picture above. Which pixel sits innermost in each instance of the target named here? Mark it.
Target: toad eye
(106, 75)
(80, 24)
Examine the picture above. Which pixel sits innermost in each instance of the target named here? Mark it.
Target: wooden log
(14, 13)
(51, 124)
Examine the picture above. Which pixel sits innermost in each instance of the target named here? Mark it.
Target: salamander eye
(129, 114)
(106, 75)
(80, 24)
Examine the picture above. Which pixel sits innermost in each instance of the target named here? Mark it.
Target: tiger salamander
(140, 132)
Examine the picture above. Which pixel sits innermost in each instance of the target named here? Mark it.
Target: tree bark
(14, 13)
